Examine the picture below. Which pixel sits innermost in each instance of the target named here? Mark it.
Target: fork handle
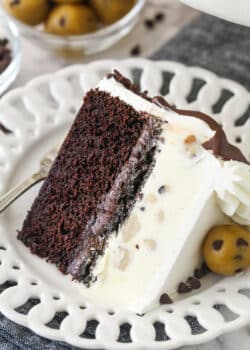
(7, 199)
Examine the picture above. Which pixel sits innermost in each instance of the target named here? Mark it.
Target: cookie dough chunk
(71, 20)
(226, 249)
(31, 12)
(111, 11)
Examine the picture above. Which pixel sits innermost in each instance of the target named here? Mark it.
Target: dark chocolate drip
(4, 129)
(128, 84)
(218, 144)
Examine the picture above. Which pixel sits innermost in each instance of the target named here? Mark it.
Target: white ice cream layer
(160, 243)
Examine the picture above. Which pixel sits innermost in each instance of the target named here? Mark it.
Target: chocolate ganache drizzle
(218, 144)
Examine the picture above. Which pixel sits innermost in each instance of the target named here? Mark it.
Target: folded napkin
(207, 42)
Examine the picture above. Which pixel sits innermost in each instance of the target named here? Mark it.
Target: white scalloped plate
(40, 114)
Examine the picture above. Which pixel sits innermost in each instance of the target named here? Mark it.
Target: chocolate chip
(165, 299)
(142, 208)
(198, 273)
(159, 16)
(184, 288)
(135, 51)
(149, 23)
(4, 129)
(241, 242)
(4, 42)
(15, 2)
(162, 189)
(62, 21)
(137, 246)
(140, 195)
(238, 257)
(238, 270)
(194, 283)
(217, 244)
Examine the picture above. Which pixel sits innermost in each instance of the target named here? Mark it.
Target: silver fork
(7, 199)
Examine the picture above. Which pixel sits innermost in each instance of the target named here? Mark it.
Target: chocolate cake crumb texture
(65, 224)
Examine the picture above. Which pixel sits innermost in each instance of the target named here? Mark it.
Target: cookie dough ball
(110, 11)
(71, 20)
(226, 249)
(31, 12)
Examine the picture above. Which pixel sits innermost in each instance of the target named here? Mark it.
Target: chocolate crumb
(198, 274)
(149, 23)
(137, 246)
(194, 283)
(159, 16)
(142, 208)
(135, 51)
(184, 288)
(238, 270)
(241, 242)
(162, 189)
(217, 244)
(165, 299)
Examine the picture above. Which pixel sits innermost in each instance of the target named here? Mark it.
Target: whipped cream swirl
(233, 191)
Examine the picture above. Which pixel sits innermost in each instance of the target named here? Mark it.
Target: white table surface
(37, 61)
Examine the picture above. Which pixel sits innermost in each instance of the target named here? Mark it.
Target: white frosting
(233, 191)
(159, 244)
(237, 11)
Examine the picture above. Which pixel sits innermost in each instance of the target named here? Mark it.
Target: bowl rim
(16, 50)
(101, 33)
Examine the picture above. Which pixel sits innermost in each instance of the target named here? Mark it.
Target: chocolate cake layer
(92, 185)
(117, 203)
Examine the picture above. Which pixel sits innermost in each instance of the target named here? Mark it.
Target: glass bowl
(86, 44)
(8, 30)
